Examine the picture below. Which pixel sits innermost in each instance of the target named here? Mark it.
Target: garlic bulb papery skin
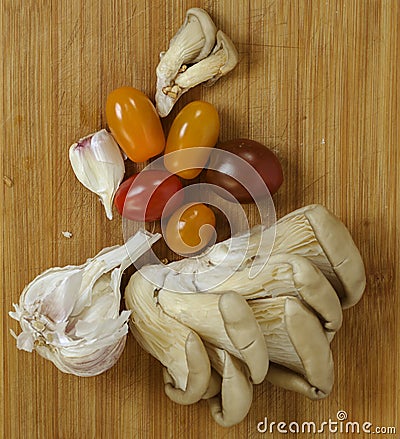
(71, 315)
(98, 164)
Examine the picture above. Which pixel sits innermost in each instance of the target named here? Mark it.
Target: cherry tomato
(134, 123)
(224, 170)
(197, 124)
(143, 196)
(184, 233)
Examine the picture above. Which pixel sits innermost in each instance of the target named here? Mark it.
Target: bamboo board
(317, 82)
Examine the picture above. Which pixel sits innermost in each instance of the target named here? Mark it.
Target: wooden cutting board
(318, 82)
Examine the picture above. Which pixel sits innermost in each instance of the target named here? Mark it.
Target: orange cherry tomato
(184, 232)
(197, 124)
(134, 123)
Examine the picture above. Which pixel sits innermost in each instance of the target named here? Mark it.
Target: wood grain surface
(318, 82)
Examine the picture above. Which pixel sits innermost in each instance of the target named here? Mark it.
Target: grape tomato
(185, 233)
(135, 124)
(223, 169)
(196, 125)
(143, 196)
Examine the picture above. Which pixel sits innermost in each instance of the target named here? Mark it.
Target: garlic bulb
(98, 164)
(70, 315)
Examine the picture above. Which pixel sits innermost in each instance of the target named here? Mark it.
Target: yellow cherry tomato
(185, 233)
(134, 123)
(196, 125)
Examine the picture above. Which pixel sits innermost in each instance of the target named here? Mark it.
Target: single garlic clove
(193, 42)
(99, 165)
(71, 315)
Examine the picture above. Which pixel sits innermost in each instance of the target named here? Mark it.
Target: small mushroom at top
(226, 50)
(193, 42)
(221, 61)
(187, 63)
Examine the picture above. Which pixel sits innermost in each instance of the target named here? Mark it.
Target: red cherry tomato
(134, 123)
(224, 170)
(197, 124)
(184, 233)
(143, 196)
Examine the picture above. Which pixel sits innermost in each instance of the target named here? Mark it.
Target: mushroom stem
(287, 274)
(315, 233)
(193, 42)
(296, 340)
(204, 70)
(224, 320)
(175, 345)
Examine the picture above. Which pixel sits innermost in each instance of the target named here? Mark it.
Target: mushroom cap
(199, 373)
(244, 331)
(233, 403)
(296, 340)
(289, 274)
(282, 377)
(177, 347)
(311, 344)
(209, 30)
(340, 250)
(231, 54)
(313, 288)
(224, 320)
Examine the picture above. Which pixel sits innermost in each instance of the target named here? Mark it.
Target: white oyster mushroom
(319, 236)
(217, 329)
(221, 61)
(232, 402)
(296, 342)
(193, 42)
(225, 320)
(312, 232)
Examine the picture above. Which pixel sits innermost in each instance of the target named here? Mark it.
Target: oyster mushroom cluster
(216, 337)
(198, 53)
